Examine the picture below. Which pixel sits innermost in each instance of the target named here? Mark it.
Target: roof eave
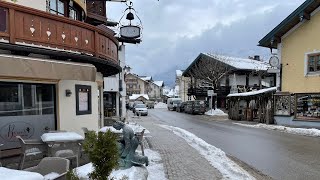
(275, 33)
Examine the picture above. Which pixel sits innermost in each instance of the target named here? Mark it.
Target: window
(57, 7)
(18, 99)
(73, 13)
(83, 99)
(314, 63)
(308, 106)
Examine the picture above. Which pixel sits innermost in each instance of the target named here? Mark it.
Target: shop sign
(11, 130)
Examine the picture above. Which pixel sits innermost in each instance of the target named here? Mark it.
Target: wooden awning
(35, 68)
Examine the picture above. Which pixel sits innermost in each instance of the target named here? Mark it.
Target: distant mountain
(169, 77)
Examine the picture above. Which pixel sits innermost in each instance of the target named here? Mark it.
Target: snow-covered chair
(51, 167)
(30, 148)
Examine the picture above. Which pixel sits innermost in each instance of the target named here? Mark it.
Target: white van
(172, 103)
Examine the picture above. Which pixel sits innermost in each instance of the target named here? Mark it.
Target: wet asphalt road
(278, 155)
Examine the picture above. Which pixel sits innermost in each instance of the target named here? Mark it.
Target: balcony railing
(30, 27)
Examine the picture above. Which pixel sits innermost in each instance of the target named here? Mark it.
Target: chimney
(256, 57)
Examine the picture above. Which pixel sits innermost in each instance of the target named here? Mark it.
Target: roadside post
(211, 94)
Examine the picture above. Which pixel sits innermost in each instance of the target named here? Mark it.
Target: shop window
(18, 99)
(83, 99)
(3, 20)
(308, 106)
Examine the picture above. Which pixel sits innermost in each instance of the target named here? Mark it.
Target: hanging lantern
(130, 30)
(130, 16)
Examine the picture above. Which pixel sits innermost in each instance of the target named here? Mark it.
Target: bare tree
(210, 69)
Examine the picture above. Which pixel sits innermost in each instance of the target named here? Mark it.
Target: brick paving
(180, 160)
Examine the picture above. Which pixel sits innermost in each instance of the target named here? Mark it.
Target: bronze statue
(127, 145)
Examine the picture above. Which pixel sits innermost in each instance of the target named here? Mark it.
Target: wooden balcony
(22, 26)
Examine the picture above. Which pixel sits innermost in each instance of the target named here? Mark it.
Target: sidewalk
(180, 160)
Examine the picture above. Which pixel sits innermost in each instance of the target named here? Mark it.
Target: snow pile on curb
(155, 169)
(216, 157)
(215, 112)
(299, 131)
(160, 105)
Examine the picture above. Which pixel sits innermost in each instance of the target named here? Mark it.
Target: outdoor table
(61, 137)
(63, 144)
(12, 174)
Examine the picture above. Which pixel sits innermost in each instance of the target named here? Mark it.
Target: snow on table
(61, 137)
(12, 174)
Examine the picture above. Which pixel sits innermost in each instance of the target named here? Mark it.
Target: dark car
(195, 107)
(180, 107)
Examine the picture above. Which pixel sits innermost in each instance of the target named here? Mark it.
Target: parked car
(172, 103)
(180, 107)
(195, 107)
(134, 105)
(150, 104)
(141, 109)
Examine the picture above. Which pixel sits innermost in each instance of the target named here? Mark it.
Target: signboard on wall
(28, 127)
(83, 99)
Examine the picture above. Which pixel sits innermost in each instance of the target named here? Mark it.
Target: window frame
(307, 71)
(77, 90)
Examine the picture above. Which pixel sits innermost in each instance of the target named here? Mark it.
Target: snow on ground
(160, 105)
(299, 131)
(155, 169)
(216, 157)
(215, 112)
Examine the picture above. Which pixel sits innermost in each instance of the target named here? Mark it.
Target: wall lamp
(68, 92)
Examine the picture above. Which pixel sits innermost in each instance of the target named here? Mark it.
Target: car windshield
(140, 106)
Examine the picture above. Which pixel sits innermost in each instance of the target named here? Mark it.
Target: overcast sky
(176, 31)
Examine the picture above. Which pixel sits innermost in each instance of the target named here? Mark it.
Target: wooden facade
(31, 27)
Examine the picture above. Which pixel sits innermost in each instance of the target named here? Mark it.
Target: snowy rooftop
(136, 96)
(252, 93)
(146, 78)
(179, 72)
(158, 83)
(241, 63)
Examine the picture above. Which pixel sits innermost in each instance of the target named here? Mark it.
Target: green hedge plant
(103, 153)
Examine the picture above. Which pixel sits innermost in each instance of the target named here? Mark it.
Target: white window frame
(306, 64)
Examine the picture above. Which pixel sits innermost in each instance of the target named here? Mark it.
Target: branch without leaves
(209, 70)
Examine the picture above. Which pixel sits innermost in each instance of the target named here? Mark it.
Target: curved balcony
(29, 30)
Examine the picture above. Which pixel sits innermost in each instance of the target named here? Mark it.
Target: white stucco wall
(111, 84)
(66, 106)
(36, 4)
(253, 80)
(241, 80)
